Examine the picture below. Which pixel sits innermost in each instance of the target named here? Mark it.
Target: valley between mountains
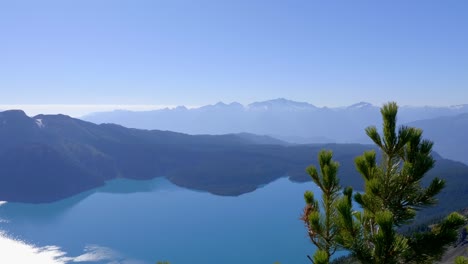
(50, 157)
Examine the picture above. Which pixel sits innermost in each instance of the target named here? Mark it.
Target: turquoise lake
(143, 222)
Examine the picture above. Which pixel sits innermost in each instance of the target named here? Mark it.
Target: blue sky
(187, 52)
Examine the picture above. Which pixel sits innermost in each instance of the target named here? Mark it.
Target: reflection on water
(48, 211)
(14, 251)
(17, 251)
(130, 221)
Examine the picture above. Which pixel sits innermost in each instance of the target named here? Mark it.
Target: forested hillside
(49, 157)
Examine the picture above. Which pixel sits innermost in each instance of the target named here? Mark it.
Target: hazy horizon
(81, 110)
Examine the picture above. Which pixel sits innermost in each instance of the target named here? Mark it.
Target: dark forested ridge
(50, 157)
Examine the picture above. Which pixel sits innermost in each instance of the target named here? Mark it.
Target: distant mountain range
(50, 157)
(449, 133)
(294, 122)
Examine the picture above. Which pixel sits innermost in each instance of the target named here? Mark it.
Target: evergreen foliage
(461, 260)
(322, 227)
(392, 196)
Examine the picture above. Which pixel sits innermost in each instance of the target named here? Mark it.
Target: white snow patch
(39, 123)
(457, 107)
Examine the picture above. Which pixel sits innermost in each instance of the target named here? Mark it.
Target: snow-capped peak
(458, 107)
(281, 103)
(360, 105)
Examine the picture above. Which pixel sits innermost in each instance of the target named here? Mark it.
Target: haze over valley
(226, 132)
(300, 122)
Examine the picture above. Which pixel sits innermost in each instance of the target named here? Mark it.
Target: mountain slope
(296, 122)
(49, 157)
(450, 134)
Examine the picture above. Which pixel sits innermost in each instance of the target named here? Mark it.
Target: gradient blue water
(146, 221)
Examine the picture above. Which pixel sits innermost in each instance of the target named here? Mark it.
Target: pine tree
(461, 260)
(393, 194)
(322, 227)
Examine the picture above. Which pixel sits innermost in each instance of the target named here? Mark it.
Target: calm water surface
(144, 221)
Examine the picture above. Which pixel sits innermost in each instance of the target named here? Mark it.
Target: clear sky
(187, 52)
